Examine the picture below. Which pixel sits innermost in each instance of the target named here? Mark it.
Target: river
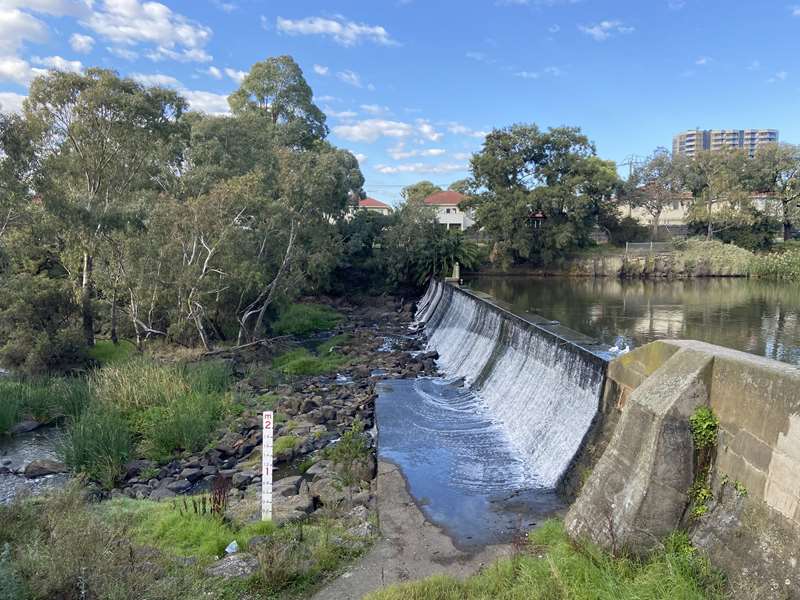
(754, 316)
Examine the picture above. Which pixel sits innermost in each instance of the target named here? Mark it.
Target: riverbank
(171, 523)
(685, 260)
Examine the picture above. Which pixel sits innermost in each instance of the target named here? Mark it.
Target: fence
(648, 247)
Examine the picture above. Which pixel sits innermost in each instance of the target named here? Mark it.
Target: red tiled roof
(444, 199)
(372, 203)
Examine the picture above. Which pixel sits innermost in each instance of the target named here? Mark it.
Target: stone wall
(638, 489)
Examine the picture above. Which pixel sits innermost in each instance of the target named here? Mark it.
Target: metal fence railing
(648, 247)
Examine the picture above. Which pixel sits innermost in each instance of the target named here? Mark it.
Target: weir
(540, 381)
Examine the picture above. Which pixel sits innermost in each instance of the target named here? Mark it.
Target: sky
(412, 86)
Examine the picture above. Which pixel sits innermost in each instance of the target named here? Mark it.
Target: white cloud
(603, 30)
(346, 33)
(13, 68)
(237, 76)
(779, 76)
(676, 4)
(370, 130)
(754, 65)
(419, 167)
(227, 7)
(703, 61)
(321, 70)
(375, 109)
(133, 22)
(554, 28)
(796, 11)
(51, 7)
(123, 53)
(207, 102)
(350, 78)
(58, 63)
(427, 131)
(154, 79)
(343, 114)
(457, 128)
(17, 27)
(462, 156)
(433, 152)
(326, 98)
(10, 102)
(81, 43)
(214, 72)
(361, 158)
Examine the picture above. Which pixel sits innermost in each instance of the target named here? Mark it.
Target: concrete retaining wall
(638, 489)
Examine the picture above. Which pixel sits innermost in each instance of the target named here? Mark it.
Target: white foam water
(542, 389)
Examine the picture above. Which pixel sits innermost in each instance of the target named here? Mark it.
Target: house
(372, 205)
(447, 211)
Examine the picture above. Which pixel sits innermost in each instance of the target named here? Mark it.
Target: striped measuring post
(266, 466)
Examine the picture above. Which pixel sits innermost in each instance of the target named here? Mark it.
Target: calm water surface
(754, 316)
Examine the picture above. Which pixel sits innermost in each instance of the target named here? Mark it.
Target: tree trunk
(86, 299)
(787, 224)
(114, 337)
(654, 232)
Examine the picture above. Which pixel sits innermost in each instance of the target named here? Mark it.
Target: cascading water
(543, 389)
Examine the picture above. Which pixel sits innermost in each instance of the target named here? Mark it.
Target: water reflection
(755, 316)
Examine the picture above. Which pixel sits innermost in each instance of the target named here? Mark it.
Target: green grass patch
(330, 345)
(106, 352)
(285, 442)
(305, 319)
(554, 568)
(303, 362)
(41, 399)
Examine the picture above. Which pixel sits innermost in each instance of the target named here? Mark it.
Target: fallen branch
(261, 342)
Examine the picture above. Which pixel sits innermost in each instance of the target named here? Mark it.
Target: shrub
(41, 399)
(283, 443)
(704, 426)
(305, 319)
(780, 266)
(713, 257)
(98, 443)
(106, 352)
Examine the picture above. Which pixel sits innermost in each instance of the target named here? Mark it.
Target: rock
(329, 492)
(258, 541)
(139, 491)
(288, 486)
(363, 469)
(180, 486)
(209, 470)
(309, 404)
(241, 479)
(192, 474)
(229, 443)
(25, 426)
(239, 566)
(363, 530)
(44, 466)
(319, 469)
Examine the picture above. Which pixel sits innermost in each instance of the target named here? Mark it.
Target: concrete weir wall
(638, 489)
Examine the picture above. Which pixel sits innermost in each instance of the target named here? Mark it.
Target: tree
(717, 181)
(522, 172)
(416, 247)
(417, 192)
(276, 87)
(104, 137)
(775, 169)
(461, 186)
(658, 184)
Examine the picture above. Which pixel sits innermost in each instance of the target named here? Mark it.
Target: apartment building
(691, 142)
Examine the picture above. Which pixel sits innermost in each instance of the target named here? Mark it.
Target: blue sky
(411, 86)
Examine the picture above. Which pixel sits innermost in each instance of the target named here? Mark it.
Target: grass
(778, 266)
(178, 532)
(145, 407)
(106, 352)
(305, 319)
(302, 362)
(41, 399)
(283, 443)
(554, 568)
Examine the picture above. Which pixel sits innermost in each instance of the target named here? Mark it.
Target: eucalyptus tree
(540, 193)
(776, 169)
(659, 182)
(104, 137)
(276, 87)
(417, 192)
(721, 200)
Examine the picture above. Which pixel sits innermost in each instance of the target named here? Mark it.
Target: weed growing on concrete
(704, 425)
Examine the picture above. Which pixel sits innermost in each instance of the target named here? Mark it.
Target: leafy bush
(555, 568)
(304, 319)
(625, 230)
(98, 443)
(106, 352)
(759, 235)
(704, 425)
(783, 266)
(703, 257)
(285, 442)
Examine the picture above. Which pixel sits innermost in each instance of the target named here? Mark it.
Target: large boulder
(44, 466)
(235, 566)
